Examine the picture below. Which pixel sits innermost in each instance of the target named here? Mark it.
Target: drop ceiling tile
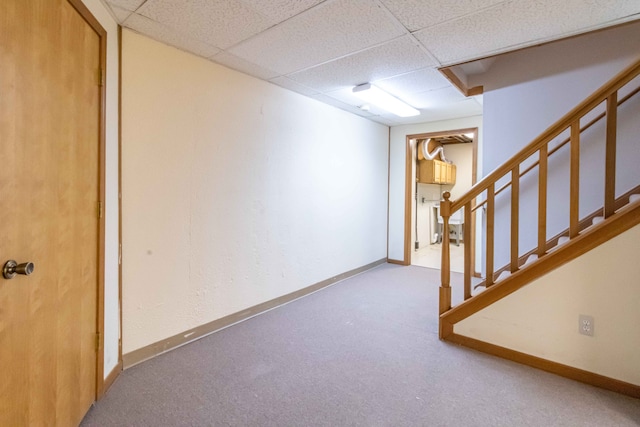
(517, 24)
(384, 120)
(291, 85)
(419, 14)
(394, 120)
(414, 82)
(218, 23)
(279, 10)
(169, 36)
(341, 105)
(130, 5)
(466, 108)
(433, 98)
(120, 14)
(328, 31)
(452, 110)
(243, 66)
(395, 57)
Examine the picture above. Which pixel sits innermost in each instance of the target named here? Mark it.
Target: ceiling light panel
(279, 10)
(169, 36)
(419, 14)
(239, 64)
(130, 5)
(346, 96)
(466, 108)
(328, 31)
(517, 24)
(218, 23)
(376, 96)
(395, 57)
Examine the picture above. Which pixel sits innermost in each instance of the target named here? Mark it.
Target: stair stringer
(559, 239)
(621, 221)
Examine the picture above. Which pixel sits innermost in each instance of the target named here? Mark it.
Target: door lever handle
(11, 268)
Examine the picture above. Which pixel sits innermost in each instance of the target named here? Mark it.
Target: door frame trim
(410, 151)
(86, 14)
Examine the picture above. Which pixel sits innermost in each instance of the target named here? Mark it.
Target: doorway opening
(437, 162)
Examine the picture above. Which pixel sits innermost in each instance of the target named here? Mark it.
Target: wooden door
(49, 191)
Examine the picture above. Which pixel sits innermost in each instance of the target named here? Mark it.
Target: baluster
(610, 156)
(491, 210)
(467, 250)
(574, 191)
(445, 289)
(542, 201)
(515, 215)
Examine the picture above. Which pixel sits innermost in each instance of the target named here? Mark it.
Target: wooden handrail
(554, 130)
(584, 223)
(602, 232)
(608, 94)
(562, 144)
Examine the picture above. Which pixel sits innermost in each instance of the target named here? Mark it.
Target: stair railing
(513, 169)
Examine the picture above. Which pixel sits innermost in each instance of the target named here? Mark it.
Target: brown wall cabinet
(436, 172)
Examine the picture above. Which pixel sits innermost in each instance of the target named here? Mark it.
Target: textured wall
(542, 318)
(236, 191)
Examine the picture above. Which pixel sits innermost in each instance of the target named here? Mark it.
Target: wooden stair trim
(557, 368)
(599, 96)
(560, 145)
(623, 220)
(585, 223)
(453, 78)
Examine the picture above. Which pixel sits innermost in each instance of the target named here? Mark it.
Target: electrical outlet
(585, 325)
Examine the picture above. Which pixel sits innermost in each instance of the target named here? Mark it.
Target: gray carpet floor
(363, 352)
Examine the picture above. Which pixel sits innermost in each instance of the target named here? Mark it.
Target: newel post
(445, 289)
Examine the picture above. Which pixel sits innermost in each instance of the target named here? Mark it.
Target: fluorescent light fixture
(469, 135)
(382, 99)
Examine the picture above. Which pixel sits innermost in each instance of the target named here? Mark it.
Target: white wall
(111, 289)
(397, 163)
(525, 93)
(542, 318)
(236, 191)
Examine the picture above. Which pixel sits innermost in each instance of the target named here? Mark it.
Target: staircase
(617, 214)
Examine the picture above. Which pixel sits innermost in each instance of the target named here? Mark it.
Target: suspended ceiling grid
(322, 49)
